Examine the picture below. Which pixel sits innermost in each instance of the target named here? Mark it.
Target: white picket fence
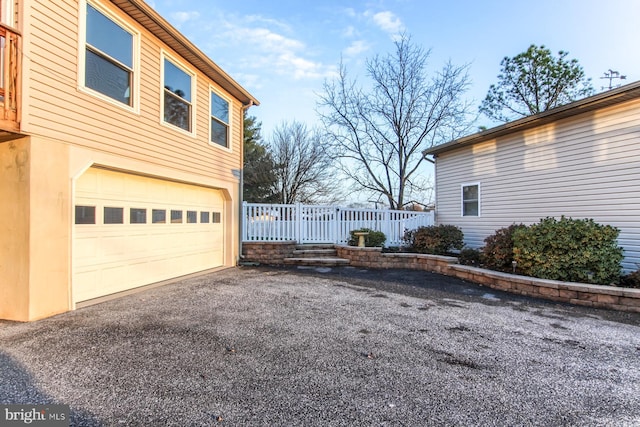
(325, 224)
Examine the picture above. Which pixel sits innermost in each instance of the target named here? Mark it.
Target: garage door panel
(109, 258)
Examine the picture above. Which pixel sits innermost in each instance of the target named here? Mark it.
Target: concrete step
(324, 261)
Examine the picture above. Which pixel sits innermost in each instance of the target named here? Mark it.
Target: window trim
(164, 55)
(82, 56)
(470, 184)
(218, 92)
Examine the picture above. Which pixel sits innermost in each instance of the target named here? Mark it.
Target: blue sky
(283, 50)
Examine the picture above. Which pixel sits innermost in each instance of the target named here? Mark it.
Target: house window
(219, 133)
(204, 217)
(177, 96)
(192, 217)
(85, 214)
(215, 217)
(137, 216)
(108, 57)
(113, 215)
(471, 199)
(6, 12)
(158, 216)
(176, 217)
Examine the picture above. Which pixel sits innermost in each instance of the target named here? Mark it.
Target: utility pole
(611, 76)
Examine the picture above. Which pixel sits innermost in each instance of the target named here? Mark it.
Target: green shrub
(631, 280)
(434, 239)
(470, 256)
(574, 250)
(373, 239)
(497, 252)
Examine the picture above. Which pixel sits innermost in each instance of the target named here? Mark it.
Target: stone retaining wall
(624, 299)
(374, 258)
(268, 253)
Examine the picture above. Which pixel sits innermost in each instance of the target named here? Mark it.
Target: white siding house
(581, 160)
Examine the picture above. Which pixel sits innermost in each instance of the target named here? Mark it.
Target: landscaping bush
(631, 280)
(434, 239)
(574, 250)
(497, 252)
(470, 256)
(373, 239)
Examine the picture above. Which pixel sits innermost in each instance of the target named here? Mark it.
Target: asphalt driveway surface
(342, 347)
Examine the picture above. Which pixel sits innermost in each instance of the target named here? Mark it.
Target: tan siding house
(120, 154)
(581, 160)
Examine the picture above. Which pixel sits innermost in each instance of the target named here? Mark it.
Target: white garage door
(131, 231)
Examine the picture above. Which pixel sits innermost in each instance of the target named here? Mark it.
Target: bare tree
(378, 135)
(302, 166)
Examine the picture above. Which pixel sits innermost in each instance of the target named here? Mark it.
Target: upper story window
(219, 133)
(6, 12)
(177, 88)
(471, 199)
(109, 57)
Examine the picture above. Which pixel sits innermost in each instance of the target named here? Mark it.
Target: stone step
(314, 253)
(324, 261)
(314, 246)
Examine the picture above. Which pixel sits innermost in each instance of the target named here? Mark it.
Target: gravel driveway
(342, 347)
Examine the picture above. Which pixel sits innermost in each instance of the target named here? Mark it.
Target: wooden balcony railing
(10, 73)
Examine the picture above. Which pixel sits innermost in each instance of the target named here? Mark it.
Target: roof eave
(163, 30)
(591, 103)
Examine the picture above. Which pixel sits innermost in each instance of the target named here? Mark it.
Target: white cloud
(258, 19)
(249, 80)
(350, 31)
(356, 48)
(388, 22)
(179, 18)
(269, 40)
(350, 12)
(284, 55)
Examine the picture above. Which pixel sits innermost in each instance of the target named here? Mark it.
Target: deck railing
(10, 73)
(325, 224)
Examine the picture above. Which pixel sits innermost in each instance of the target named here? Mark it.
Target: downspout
(245, 107)
(435, 186)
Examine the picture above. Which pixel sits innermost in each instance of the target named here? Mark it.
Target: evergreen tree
(535, 81)
(259, 176)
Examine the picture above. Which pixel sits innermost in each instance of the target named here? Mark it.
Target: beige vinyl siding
(583, 167)
(96, 124)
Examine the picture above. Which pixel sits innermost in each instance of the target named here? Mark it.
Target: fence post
(298, 216)
(243, 222)
(386, 224)
(335, 225)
